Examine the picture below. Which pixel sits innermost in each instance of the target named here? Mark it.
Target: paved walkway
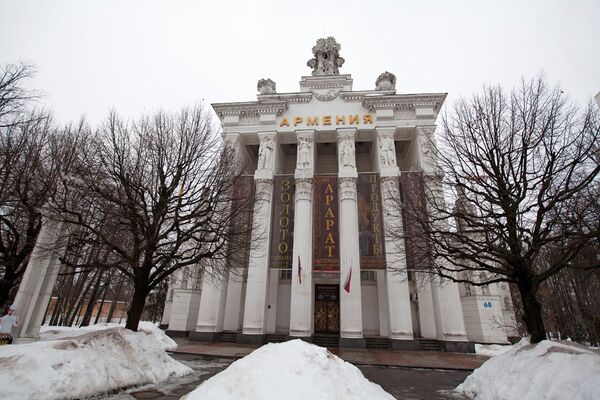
(372, 357)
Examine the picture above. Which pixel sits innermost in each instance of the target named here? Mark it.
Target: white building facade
(326, 166)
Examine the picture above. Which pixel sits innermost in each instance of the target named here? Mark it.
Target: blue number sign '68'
(487, 304)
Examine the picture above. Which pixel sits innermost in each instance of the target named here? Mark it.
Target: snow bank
(93, 361)
(290, 370)
(64, 332)
(491, 350)
(548, 370)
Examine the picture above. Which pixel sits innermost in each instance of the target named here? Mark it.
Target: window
(368, 276)
(285, 274)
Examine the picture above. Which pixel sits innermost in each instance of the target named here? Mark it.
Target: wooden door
(327, 309)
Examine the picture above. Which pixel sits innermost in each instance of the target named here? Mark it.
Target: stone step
(429, 345)
(326, 341)
(276, 338)
(377, 343)
(229, 337)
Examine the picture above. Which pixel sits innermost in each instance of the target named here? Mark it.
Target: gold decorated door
(327, 309)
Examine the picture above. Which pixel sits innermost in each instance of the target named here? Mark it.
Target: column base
(457, 347)
(353, 343)
(196, 336)
(410, 344)
(176, 333)
(243, 338)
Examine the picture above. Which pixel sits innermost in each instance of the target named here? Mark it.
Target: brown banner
(282, 223)
(414, 213)
(241, 223)
(370, 222)
(326, 250)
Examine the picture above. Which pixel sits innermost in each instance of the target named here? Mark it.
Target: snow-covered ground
(491, 350)
(290, 370)
(74, 363)
(549, 370)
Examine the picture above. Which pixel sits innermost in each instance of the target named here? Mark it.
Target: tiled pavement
(372, 357)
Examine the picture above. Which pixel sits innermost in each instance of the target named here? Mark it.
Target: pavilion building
(326, 166)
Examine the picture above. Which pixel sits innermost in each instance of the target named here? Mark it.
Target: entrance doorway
(327, 309)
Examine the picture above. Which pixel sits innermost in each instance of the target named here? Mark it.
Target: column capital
(345, 132)
(348, 190)
(304, 134)
(304, 189)
(385, 131)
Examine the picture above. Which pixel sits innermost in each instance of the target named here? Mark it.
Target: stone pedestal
(38, 280)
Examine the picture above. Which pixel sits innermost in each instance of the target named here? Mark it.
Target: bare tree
(156, 194)
(519, 168)
(29, 165)
(15, 98)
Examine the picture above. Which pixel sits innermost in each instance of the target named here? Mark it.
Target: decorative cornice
(404, 101)
(250, 108)
(297, 97)
(360, 95)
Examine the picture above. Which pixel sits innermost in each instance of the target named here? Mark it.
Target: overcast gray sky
(138, 56)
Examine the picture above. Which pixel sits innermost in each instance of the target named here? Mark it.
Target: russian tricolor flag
(348, 280)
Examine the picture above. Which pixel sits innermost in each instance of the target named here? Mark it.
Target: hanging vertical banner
(326, 251)
(370, 222)
(240, 227)
(414, 216)
(282, 223)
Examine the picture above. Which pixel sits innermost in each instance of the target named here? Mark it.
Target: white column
(211, 311)
(350, 303)
(254, 326)
(302, 292)
(398, 292)
(446, 297)
(234, 301)
(39, 278)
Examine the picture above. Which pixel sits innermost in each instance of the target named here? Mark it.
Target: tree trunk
(87, 317)
(106, 286)
(136, 307)
(532, 312)
(113, 304)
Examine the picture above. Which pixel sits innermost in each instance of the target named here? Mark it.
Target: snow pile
(548, 370)
(64, 332)
(491, 350)
(91, 362)
(289, 370)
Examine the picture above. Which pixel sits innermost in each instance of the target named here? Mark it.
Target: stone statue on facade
(327, 60)
(266, 86)
(264, 154)
(347, 153)
(386, 81)
(386, 151)
(304, 154)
